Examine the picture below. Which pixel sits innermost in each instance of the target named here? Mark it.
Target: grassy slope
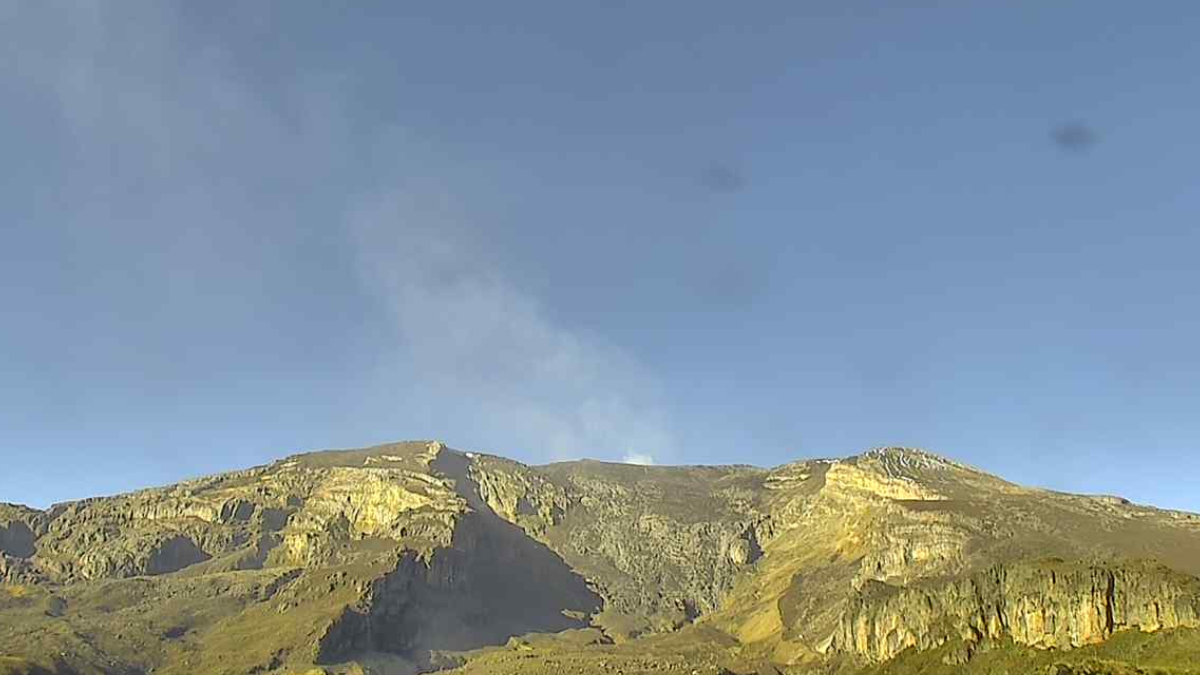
(701, 651)
(1173, 652)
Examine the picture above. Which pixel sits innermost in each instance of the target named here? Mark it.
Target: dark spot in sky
(730, 285)
(1074, 137)
(722, 178)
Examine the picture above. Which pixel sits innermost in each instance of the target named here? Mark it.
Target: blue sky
(680, 231)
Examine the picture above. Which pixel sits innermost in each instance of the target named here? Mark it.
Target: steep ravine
(663, 546)
(491, 584)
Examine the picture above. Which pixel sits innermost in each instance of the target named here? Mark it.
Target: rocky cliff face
(421, 555)
(18, 536)
(662, 548)
(1050, 605)
(487, 584)
(17, 539)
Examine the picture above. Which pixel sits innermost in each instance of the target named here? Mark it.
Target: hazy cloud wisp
(201, 181)
(476, 339)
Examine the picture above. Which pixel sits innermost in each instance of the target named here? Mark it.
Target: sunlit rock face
(1047, 605)
(893, 475)
(928, 547)
(351, 504)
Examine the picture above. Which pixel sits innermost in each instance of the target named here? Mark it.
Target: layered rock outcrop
(345, 504)
(1047, 605)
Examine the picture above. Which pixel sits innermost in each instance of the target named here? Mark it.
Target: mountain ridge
(876, 450)
(412, 556)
